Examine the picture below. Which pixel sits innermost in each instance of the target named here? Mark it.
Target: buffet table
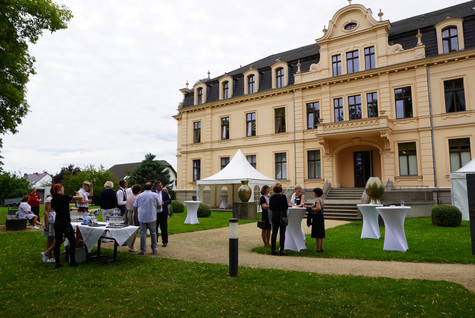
(93, 234)
(370, 220)
(294, 235)
(393, 217)
(192, 212)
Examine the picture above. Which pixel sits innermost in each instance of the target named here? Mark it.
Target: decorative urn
(374, 189)
(244, 191)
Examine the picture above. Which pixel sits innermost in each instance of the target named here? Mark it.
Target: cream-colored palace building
(371, 97)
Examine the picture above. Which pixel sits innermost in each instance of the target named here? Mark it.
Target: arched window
(450, 39)
(251, 82)
(225, 90)
(279, 75)
(200, 96)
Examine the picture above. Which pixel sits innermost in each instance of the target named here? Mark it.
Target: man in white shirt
(146, 206)
(122, 197)
(85, 192)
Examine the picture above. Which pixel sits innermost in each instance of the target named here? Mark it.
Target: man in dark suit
(162, 215)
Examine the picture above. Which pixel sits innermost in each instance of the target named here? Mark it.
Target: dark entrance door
(363, 167)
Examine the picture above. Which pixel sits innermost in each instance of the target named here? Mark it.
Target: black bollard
(233, 247)
(471, 206)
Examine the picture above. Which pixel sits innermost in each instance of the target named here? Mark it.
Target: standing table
(294, 235)
(192, 212)
(370, 220)
(393, 217)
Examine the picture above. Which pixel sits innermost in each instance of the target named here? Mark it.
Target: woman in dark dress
(318, 221)
(278, 205)
(62, 224)
(264, 202)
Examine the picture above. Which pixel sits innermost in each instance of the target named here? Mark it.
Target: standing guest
(62, 224)
(24, 212)
(318, 221)
(85, 192)
(162, 214)
(34, 200)
(132, 218)
(122, 197)
(146, 206)
(107, 201)
(264, 202)
(297, 198)
(278, 204)
(48, 231)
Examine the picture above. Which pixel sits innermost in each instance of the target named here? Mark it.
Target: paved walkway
(211, 246)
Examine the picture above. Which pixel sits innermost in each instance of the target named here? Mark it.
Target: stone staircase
(340, 203)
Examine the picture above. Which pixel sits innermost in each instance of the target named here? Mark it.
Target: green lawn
(427, 243)
(140, 286)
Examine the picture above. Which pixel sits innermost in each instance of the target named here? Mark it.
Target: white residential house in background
(40, 181)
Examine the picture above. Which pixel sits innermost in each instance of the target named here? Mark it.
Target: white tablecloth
(370, 221)
(92, 234)
(394, 216)
(192, 212)
(294, 235)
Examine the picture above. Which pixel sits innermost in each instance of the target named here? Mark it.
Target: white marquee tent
(237, 170)
(458, 182)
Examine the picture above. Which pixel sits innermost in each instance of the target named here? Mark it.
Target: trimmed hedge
(446, 215)
(203, 210)
(177, 207)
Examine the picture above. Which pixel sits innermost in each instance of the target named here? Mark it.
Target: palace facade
(371, 97)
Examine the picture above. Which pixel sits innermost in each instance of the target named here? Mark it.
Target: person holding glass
(297, 198)
(266, 227)
(278, 204)
(318, 221)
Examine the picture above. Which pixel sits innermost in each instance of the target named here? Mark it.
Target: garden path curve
(211, 246)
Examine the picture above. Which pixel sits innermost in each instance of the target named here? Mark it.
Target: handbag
(261, 224)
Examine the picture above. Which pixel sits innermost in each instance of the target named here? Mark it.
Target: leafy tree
(22, 22)
(13, 186)
(150, 170)
(65, 172)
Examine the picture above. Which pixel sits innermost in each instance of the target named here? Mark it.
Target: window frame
(197, 132)
(455, 96)
(449, 39)
(407, 156)
(253, 161)
(313, 113)
(251, 127)
(280, 160)
(224, 132)
(196, 169)
(336, 65)
(457, 143)
(370, 58)
(338, 108)
(317, 164)
(279, 77)
(372, 104)
(406, 102)
(199, 96)
(280, 125)
(224, 162)
(251, 82)
(225, 88)
(353, 103)
(352, 62)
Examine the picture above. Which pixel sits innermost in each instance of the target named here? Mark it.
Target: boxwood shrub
(177, 206)
(203, 210)
(446, 215)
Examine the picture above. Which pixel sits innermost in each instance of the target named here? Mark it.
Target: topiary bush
(446, 215)
(170, 210)
(177, 206)
(203, 210)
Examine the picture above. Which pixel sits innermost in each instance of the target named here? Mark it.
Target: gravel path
(211, 246)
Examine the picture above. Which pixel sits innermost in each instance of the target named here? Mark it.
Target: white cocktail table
(294, 235)
(370, 220)
(192, 212)
(393, 217)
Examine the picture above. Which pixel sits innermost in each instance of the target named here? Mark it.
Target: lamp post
(233, 247)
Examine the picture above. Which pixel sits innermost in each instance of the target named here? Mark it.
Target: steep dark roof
(120, 170)
(34, 177)
(402, 32)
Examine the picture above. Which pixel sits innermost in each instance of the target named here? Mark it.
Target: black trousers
(36, 211)
(162, 221)
(68, 232)
(276, 225)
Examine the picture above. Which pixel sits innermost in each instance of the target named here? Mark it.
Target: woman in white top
(24, 212)
(48, 231)
(297, 198)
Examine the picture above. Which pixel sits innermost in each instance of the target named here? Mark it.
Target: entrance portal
(363, 165)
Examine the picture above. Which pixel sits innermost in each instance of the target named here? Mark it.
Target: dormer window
(200, 96)
(226, 90)
(225, 87)
(251, 84)
(279, 75)
(450, 39)
(251, 81)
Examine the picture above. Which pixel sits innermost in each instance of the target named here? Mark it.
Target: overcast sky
(107, 87)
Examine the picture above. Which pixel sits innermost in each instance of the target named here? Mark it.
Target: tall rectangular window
(336, 65)
(252, 160)
(279, 77)
(200, 96)
(197, 132)
(459, 150)
(224, 162)
(403, 102)
(450, 42)
(338, 109)
(250, 124)
(314, 164)
(279, 115)
(372, 99)
(407, 159)
(454, 95)
(251, 82)
(313, 115)
(354, 107)
(226, 90)
(196, 170)
(281, 166)
(224, 128)
(352, 62)
(370, 60)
